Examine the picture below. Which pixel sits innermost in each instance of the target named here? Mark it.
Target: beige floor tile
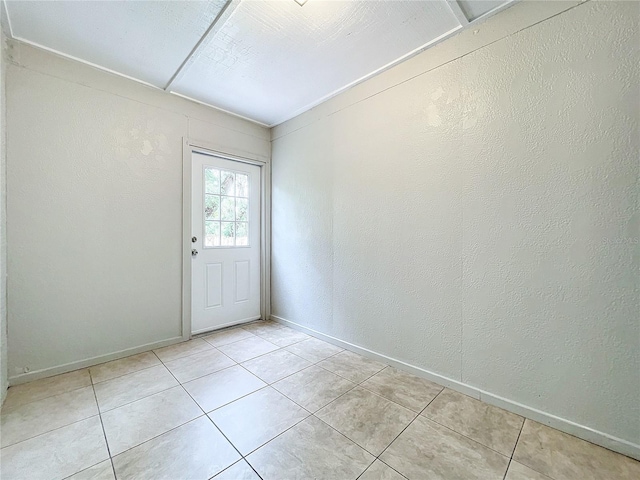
(47, 387)
(238, 471)
(183, 349)
(428, 450)
(255, 419)
(313, 349)
(518, 471)
(225, 337)
(22, 422)
(219, 388)
(284, 336)
(369, 420)
(313, 387)
(352, 366)
(196, 447)
(123, 366)
(408, 390)
(195, 366)
(57, 454)
(262, 327)
(137, 422)
(380, 471)
(310, 450)
(563, 457)
(276, 365)
(101, 471)
(134, 386)
(248, 348)
(491, 426)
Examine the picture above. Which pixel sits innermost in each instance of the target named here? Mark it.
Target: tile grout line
(123, 374)
(161, 362)
(50, 431)
(159, 435)
(4, 408)
(104, 432)
(417, 414)
(269, 384)
(171, 429)
(465, 436)
(188, 354)
(514, 450)
(156, 436)
(292, 426)
(137, 399)
(236, 463)
(204, 414)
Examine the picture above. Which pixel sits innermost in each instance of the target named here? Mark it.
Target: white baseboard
(68, 367)
(594, 436)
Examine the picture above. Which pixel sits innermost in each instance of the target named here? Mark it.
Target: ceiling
(265, 60)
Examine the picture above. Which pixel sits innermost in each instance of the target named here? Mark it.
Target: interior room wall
(472, 214)
(94, 209)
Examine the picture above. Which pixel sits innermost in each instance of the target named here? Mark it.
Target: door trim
(188, 148)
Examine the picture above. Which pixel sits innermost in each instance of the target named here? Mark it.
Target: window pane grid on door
(226, 208)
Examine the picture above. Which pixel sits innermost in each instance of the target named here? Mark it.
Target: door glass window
(226, 208)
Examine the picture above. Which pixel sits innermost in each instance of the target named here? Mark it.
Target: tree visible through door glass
(226, 208)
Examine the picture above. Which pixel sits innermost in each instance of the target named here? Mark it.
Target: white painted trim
(265, 305)
(210, 149)
(186, 236)
(128, 77)
(497, 9)
(389, 65)
(455, 8)
(189, 147)
(6, 12)
(219, 109)
(220, 19)
(88, 362)
(76, 59)
(226, 325)
(586, 433)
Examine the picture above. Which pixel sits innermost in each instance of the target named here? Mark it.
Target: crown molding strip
(455, 8)
(217, 22)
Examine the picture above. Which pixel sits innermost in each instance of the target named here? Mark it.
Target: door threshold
(226, 325)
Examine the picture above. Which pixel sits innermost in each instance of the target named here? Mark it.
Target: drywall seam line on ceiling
(581, 2)
(454, 6)
(225, 13)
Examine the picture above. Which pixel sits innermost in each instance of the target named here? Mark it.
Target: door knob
(194, 239)
(194, 252)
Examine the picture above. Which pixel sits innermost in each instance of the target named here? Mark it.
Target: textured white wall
(474, 212)
(95, 208)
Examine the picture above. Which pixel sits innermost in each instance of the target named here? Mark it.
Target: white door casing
(225, 222)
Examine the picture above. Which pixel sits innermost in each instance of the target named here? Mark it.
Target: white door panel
(225, 273)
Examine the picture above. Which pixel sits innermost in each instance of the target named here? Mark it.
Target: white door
(225, 223)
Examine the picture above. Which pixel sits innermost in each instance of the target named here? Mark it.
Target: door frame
(188, 148)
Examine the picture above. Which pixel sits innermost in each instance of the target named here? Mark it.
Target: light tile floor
(267, 402)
